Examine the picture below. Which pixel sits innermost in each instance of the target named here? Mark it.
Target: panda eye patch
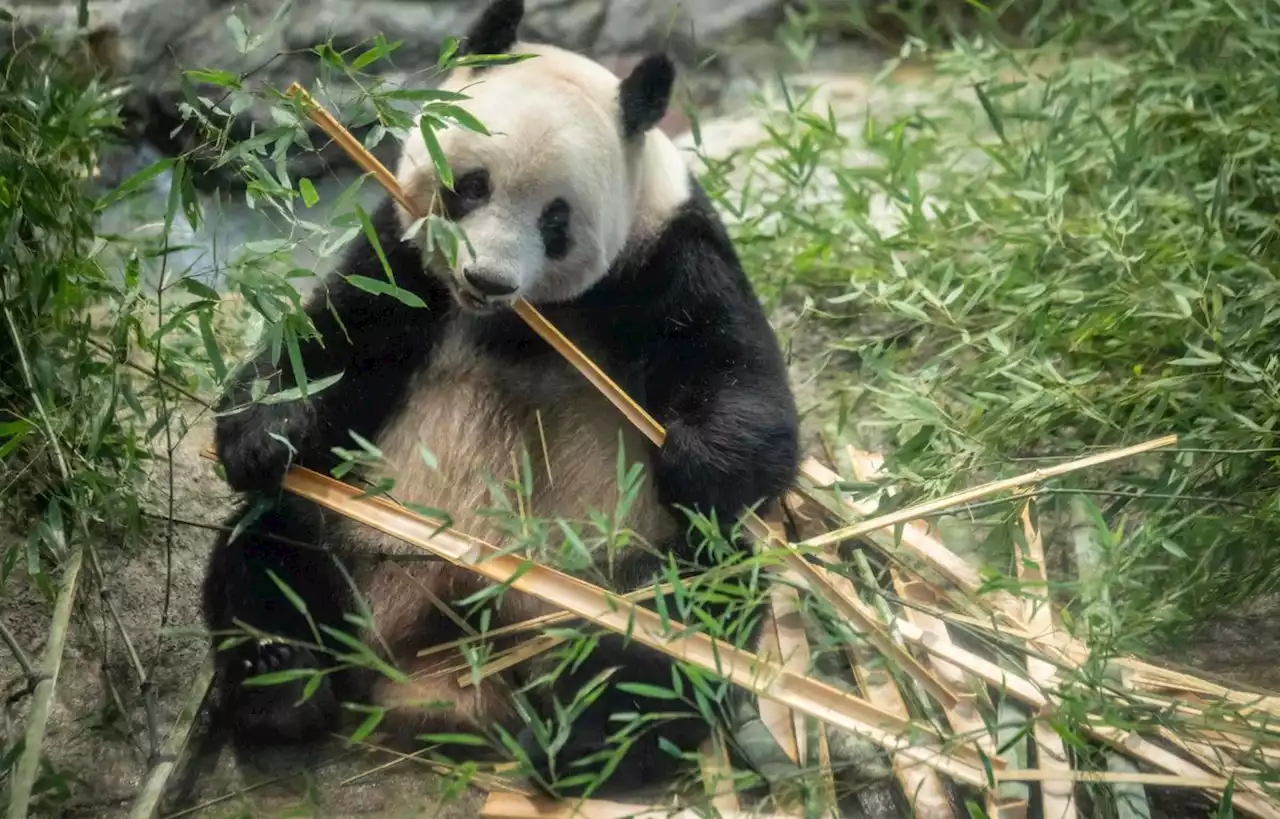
(553, 224)
(470, 191)
(474, 185)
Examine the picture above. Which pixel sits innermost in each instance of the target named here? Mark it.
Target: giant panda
(576, 202)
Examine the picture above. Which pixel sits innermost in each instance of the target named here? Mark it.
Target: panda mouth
(473, 303)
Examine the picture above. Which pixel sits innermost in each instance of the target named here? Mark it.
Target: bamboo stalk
(153, 786)
(960, 498)
(514, 806)
(533, 623)
(1057, 801)
(1108, 777)
(24, 777)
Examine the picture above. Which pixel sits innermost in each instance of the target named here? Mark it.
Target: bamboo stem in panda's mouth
(633, 412)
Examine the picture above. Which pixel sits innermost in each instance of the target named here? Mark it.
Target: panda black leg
(594, 740)
(239, 589)
(594, 737)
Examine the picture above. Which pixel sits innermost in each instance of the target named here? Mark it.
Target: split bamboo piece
(514, 806)
(777, 718)
(1057, 799)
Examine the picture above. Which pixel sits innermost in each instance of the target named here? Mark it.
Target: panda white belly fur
(478, 416)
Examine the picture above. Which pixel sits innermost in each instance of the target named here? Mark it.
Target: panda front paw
(275, 712)
(252, 459)
(684, 470)
(717, 468)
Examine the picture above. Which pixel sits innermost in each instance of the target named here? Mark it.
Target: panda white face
(555, 193)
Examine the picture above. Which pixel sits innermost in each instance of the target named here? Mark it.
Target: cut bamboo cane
(28, 768)
(927, 508)
(1057, 799)
(717, 775)
(153, 786)
(917, 542)
(743, 668)
(922, 787)
(514, 806)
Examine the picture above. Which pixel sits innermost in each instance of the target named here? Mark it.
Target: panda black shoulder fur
(579, 204)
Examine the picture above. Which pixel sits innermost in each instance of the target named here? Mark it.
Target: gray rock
(160, 38)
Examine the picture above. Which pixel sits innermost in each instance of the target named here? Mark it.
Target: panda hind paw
(283, 711)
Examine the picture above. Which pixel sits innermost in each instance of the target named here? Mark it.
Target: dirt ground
(107, 753)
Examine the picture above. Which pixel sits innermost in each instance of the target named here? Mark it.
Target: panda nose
(487, 284)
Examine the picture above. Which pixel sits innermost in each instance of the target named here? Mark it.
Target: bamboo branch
(153, 786)
(959, 498)
(28, 769)
(1057, 800)
(19, 656)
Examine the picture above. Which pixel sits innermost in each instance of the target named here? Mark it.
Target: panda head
(572, 172)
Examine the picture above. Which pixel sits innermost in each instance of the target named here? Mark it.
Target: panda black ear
(495, 31)
(645, 93)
